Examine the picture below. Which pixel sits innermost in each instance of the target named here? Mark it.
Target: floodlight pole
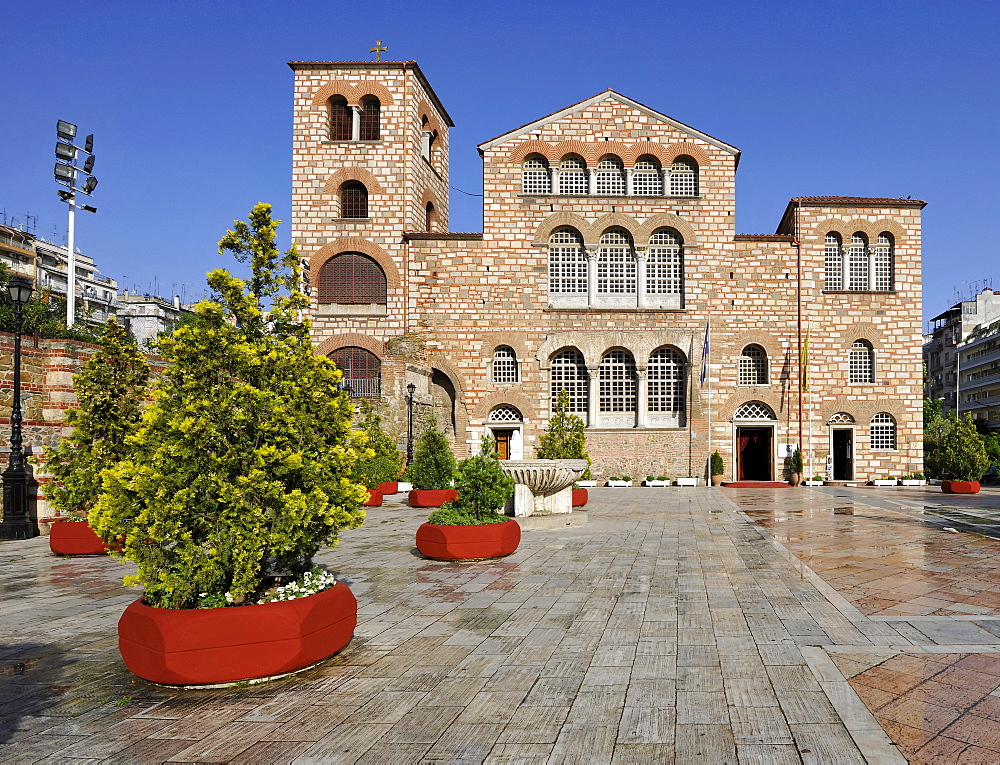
(66, 174)
(71, 265)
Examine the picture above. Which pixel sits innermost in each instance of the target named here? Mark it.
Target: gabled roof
(606, 95)
(786, 224)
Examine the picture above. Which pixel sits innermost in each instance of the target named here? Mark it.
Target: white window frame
(861, 363)
(882, 433)
(753, 366)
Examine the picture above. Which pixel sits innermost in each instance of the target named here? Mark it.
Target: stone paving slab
(676, 625)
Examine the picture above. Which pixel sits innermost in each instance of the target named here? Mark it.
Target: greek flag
(704, 354)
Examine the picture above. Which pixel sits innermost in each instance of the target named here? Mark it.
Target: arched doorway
(754, 424)
(505, 425)
(841, 466)
(443, 396)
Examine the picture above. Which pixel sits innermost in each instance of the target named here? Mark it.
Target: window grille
(883, 432)
(341, 120)
(504, 365)
(535, 176)
(505, 413)
(841, 418)
(665, 381)
(684, 178)
(616, 264)
(362, 371)
(351, 278)
(834, 263)
(857, 263)
(371, 113)
(573, 176)
(353, 200)
(861, 363)
(567, 262)
(754, 410)
(884, 276)
(617, 381)
(753, 366)
(647, 180)
(568, 372)
(610, 176)
(664, 264)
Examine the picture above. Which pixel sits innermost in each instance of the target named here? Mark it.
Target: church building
(608, 266)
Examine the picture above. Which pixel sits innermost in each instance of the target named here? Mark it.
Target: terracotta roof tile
(872, 201)
(426, 236)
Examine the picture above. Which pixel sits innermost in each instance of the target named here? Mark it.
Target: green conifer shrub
(242, 468)
(963, 456)
(795, 461)
(717, 466)
(483, 490)
(111, 391)
(433, 465)
(384, 463)
(937, 430)
(565, 437)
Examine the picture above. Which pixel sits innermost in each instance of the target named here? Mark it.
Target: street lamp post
(410, 389)
(66, 173)
(15, 524)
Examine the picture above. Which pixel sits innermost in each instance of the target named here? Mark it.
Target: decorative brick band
(491, 401)
(353, 244)
(862, 410)
(871, 229)
(351, 173)
(353, 92)
(772, 398)
(862, 331)
(432, 124)
(593, 151)
(593, 345)
(517, 341)
(351, 340)
(591, 232)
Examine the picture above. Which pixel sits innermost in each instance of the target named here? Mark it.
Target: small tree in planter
(111, 390)
(795, 467)
(240, 473)
(473, 526)
(963, 458)
(379, 468)
(716, 468)
(565, 438)
(432, 470)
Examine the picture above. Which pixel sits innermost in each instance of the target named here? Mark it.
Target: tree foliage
(242, 467)
(381, 462)
(433, 465)
(963, 455)
(483, 490)
(717, 466)
(564, 438)
(45, 316)
(111, 390)
(936, 431)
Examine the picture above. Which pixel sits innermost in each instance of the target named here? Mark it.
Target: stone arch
(423, 110)
(870, 228)
(613, 220)
(372, 88)
(437, 363)
(666, 220)
(693, 150)
(735, 401)
(351, 339)
(657, 150)
(532, 146)
(494, 399)
(615, 148)
(593, 346)
(862, 410)
(892, 227)
(862, 331)
(585, 150)
(518, 342)
(557, 220)
(771, 344)
(354, 244)
(344, 174)
(353, 92)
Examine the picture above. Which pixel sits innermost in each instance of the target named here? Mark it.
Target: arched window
(754, 410)
(567, 263)
(883, 432)
(568, 372)
(616, 263)
(834, 262)
(610, 176)
(617, 382)
(573, 175)
(351, 278)
(505, 365)
(647, 177)
(341, 119)
(362, 371)
(857, 263)
(861, 363)
(841, 418)
(753, 366)
(371, 114)
(665, 264)
(353, 200)
(684, 177)
(884, 263)
(535, 176)
(505, 413)
(429, 215)
(665, 384)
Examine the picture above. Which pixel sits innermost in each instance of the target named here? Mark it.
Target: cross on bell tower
(378, 49)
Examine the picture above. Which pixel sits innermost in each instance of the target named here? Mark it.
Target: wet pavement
(683, 624)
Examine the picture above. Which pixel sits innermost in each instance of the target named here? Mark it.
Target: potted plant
(963, 458)
(917, 479)
(620, 483)
(795, 467)
(380, 466)
(432, 471)
(565, 439)
(816, 480)
(717, 469)
(240, 472)
(657, 481)
(473, 527)
(111, 392)
(691, 480)
(887, 481)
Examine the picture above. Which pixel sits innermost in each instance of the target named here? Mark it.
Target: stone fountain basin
(544, 477)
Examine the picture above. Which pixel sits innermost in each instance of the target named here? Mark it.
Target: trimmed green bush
(963, 456)
(717, 466)
(433, 465)
(483, 490)
(795, 462)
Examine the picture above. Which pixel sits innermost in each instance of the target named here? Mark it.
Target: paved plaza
(830, 625)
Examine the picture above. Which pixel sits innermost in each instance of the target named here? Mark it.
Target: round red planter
(374, 498)
(960, 487)
(430, 497)
(75, 538)
(491, 540)
(580, 497)
(389, 487)
(206, 646)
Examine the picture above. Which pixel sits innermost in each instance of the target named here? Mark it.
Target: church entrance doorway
(504, 424)
(842, 449)
(754, 449)
(503, 439)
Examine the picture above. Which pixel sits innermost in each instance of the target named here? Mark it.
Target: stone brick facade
(653, 256)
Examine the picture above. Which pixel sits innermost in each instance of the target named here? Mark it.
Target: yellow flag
(805, 362)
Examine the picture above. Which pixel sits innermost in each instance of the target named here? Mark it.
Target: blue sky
(190, 103)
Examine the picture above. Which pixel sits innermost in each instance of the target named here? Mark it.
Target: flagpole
(809, 404)
(706, 376)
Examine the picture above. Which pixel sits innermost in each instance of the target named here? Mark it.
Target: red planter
(491, 540)
(374, 498)
(205, 646)
(430, 497)
(580, 497)
(960, 487)
(75, 538)
(389, 487)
